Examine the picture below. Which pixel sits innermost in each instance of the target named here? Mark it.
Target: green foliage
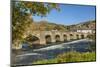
(22, 12)
(92, 36)
(70, 57)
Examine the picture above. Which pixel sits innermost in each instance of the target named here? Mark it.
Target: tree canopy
(22, 12)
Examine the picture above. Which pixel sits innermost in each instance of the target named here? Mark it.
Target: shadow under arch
(33, 39)
(71, 36)
(82, 36)
(57, 38)
(77, 36)
(65, 37)
(48, 39)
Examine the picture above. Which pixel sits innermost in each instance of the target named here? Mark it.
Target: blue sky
(69, 14)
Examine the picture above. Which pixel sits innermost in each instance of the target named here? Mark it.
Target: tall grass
(69, 57)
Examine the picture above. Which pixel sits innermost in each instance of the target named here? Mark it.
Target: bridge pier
(42, 38)
(42, 42)
(68, 37)
(62, 38)
(53, 39)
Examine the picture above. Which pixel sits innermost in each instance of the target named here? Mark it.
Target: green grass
(69, 57)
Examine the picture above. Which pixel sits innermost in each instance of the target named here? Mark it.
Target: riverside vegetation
(70, 57)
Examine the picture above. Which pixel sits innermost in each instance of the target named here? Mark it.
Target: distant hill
(48, 26)
(84, 25)
(45, 25)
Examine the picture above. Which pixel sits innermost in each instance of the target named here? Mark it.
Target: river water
(28, 57)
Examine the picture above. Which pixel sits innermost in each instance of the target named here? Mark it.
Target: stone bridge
(45, 37)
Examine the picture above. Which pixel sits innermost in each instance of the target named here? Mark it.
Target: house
(83, 30)
(86, 30)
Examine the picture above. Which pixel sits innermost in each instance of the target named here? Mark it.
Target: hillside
(84, 25)
(45, 25)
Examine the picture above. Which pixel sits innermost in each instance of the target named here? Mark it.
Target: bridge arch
(71, 36)
(65, 37)
(82, 36)
(57, 38)
(34, 40)
(77, 36)
(48, 39)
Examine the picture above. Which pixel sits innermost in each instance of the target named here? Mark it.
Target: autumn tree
(22, 13)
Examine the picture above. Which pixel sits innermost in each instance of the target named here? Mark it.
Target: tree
(22, 12)
(92, 36)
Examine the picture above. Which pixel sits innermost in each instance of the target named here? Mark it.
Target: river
(52, 51)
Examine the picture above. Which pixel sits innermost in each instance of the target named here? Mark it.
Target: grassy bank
(70, 57)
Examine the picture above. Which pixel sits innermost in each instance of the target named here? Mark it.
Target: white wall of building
(85, 31)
